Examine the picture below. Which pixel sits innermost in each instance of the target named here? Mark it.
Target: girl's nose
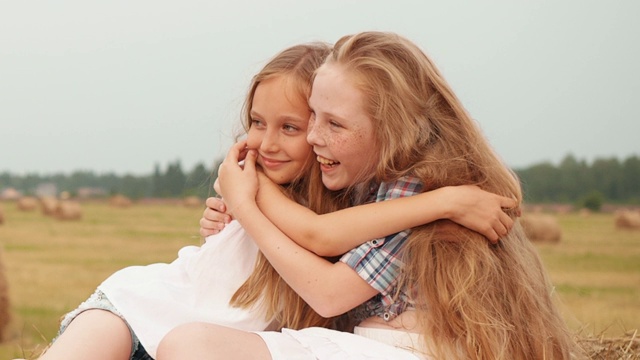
(314, 134)
(269, 142)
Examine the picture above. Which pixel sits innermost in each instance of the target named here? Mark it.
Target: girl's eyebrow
(332, 115)
(284, 117)
(294, 119)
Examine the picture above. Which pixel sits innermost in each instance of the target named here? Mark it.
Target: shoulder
(402, 187)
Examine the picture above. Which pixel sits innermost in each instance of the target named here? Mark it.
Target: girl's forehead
(335, 95)
(282, 86)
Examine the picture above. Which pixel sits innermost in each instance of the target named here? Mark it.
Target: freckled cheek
(363, 142)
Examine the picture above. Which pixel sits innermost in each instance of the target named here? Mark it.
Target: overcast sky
(119, 86)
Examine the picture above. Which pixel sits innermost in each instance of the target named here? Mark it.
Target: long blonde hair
(265, 287)
(473, 299)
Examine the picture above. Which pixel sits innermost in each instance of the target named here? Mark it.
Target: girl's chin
(332, 184)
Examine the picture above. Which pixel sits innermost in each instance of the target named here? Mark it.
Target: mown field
(52, 265)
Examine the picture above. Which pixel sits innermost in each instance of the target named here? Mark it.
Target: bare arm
(320, 283)
(335, 233)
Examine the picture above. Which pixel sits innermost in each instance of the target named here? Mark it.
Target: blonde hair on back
(473, 299)
(264, 287)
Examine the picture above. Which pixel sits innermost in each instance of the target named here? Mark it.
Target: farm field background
(51, 265)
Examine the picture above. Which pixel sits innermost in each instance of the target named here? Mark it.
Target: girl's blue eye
(290, 128)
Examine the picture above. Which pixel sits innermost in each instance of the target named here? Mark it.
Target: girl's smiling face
(278, 131)
(340, 131)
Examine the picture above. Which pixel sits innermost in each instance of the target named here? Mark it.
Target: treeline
(578, 182)
(170, 182)
(572, 181)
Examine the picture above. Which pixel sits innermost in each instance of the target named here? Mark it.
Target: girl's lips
(326, 162)
(327, 166)
(271, 163)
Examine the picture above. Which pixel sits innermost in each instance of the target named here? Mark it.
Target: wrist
(445, 195)
(243, 209)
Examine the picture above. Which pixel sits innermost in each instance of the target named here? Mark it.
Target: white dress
(197, 286)
(325, 344)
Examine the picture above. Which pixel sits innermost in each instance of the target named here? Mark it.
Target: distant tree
(174, 180)
(156, 181)
(540, 182)
(607, 178)
(593, 201)
(199, 182)
(631, 179)
(135, 187)
(573, 179)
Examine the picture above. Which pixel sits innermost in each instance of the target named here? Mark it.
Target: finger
(492, 236)
(242, 155)
(211, 202)
(216, 204)
(250, 160)
(234, 152)
(214, 219)
(500, 229)
(518, 211)
(506, 221)
(508, 203)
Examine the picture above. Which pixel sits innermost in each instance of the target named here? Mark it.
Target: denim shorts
(98, 300)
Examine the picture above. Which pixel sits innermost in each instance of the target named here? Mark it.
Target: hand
(481, 211)
(239, 182)
(214, 218)
(216, 187)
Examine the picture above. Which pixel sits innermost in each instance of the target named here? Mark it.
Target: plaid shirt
(377, 261)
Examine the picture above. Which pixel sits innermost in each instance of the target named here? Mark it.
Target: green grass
(53, 265)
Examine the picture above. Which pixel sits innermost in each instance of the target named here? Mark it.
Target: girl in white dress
(134, 308)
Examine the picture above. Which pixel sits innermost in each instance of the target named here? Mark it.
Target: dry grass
(52, 266)
(622, 348)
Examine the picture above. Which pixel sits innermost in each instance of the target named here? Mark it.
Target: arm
(320, 283)
(467, 205)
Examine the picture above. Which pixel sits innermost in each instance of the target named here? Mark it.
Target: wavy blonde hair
(473, 300)
(265, 287)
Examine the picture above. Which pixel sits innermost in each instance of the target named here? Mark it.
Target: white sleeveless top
(197, 286)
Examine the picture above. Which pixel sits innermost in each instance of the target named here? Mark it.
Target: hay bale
(27, 203)
(192, 202)
(541, 227)
(5, 315)
(120, 201)
(68, 210)
(65, 195)
(628, 220)
(584, 212)
(48, 205)
(599, 347)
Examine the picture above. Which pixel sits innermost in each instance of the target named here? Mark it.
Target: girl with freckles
(385, 124)
(134, 308)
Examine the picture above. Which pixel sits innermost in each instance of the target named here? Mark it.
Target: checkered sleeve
(377, 260)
